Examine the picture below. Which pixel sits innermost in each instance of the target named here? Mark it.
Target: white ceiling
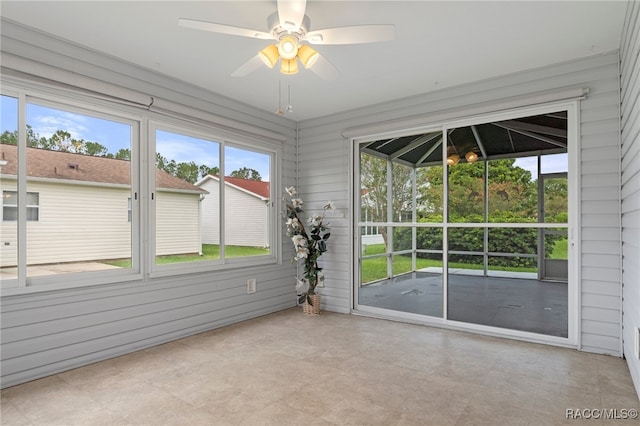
(437, 44)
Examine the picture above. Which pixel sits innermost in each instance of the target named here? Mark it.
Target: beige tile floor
(333, 369)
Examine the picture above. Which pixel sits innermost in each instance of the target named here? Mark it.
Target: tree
(373, 188)
(11, 138)
(429, 195)
(161, 162)
(555, 200)
(246, 173)
(94, 148)
(123, 154)
(511, 188)
(512, 198)
(61, 141)
(205, 170)
(373, 181)
(187, 171)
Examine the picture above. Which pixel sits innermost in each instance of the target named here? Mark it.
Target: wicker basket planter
(312, 309)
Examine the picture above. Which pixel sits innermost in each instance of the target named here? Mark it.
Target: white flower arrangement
(309, 244)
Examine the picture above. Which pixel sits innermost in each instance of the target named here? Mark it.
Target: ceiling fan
(290, 27)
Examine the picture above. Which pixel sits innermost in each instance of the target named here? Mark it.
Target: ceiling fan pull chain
(289, 106)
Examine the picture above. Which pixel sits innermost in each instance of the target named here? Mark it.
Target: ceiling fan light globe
(269, 55)
(288, 47)
(307, 55)
(289, 66)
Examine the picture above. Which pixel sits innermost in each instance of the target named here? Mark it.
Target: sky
(554, 163)
(115, 136)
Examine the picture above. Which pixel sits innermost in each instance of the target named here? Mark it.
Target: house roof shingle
(42, 163)
(256, 186)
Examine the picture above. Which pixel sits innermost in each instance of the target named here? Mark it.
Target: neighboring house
(80, 209)
(246, 211)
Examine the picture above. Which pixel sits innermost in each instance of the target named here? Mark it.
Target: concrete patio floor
(516, 303)
(55, 268)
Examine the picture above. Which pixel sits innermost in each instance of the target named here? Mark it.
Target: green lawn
(372, 269)
(209, 252)
(560, 249)
(376, 268)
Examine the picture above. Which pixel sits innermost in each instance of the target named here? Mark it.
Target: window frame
(29, 207)
(142, 121)
(223, 139)
(67, 103)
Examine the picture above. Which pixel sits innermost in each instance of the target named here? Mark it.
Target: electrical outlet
(251, 285)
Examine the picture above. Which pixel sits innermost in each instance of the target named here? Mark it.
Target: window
(187, 170)
(10, 206)
(213, 200)
(74, 168)
(81, 163)
(75, 171)
(247, 203)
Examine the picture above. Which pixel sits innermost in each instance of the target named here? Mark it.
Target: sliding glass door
(468, 224)
(401, 225)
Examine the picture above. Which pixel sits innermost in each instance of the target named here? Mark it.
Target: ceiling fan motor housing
(273, 23)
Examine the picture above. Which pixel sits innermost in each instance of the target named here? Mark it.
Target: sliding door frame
(574, 235)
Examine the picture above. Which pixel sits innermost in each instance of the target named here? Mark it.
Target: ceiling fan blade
(248, 67)
(356, 34)
(291, 13)
(325, 69)
(223, 29)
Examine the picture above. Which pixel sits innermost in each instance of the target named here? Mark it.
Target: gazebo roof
(540, 134)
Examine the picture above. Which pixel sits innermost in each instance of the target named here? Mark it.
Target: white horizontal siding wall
(324, 175)
(245, 218)
(630, 82)
(325, 170)
(600, 212)
(76, 223)
(177, 223)
(48, 332)
(211, 212)
(80, 223)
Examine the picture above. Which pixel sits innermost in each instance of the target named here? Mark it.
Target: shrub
(501, 240)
